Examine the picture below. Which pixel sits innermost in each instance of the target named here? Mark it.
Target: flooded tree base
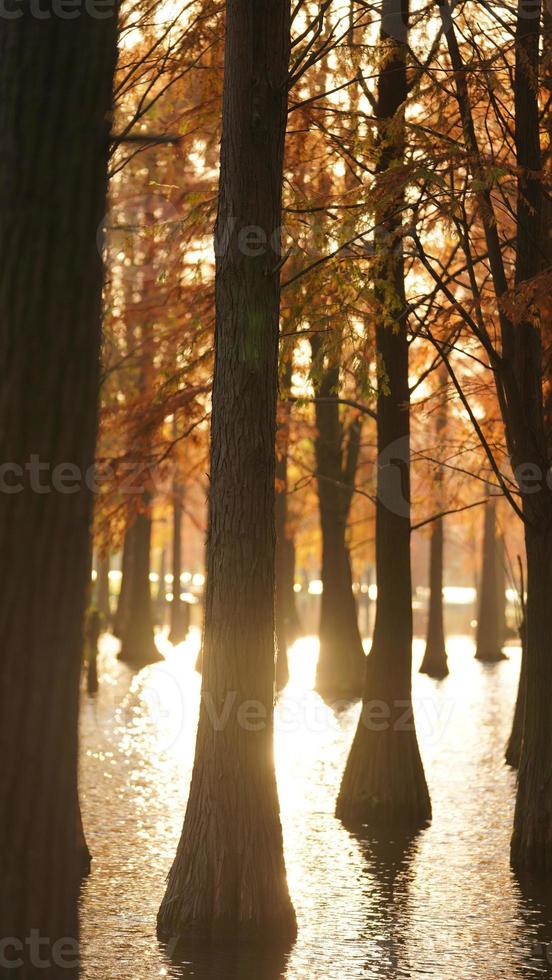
(384, 783)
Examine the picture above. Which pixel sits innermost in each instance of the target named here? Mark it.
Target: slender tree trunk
(501, 587)
(281, 569)
(55, 101)
(342, 660)
(180, 615)
(384, 781)
(435, 658)
(137, 642)
(228, 877)
(84, 855)
(341, 663)
(102, 590)
(160, 604)
(490, 623)
(513, 748)
(123, 601)
(287, 623)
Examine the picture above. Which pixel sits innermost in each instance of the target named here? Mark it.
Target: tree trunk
(160, 604)
(501, 587)
(513, 749)
(490, 639)
(384, 782)
(532, 837)
(341, 662)
(84, 855)
(180, 614)
(228, 878)
(138, 647)
(55, 105)
(102, 590)
(435, 657)
(287, 623)
(123, 602)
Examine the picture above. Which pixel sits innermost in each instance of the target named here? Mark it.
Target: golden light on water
(445, 905)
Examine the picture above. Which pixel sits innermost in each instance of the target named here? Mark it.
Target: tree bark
(55, 100)
(384, 782)
(513, 748)
(435, 658)
(228, 878)
(138, 647)
(435, 662)
(122, 611)
(532, 837)
(287, 624)
(531, 848)
(490, 621)
(341, 662)
(160, 604)
(180, 613)
(102, 590)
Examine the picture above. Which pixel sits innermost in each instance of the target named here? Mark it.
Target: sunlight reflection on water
(444, 905)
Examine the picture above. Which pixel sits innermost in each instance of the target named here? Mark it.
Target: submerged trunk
(532, 837)
(228, 878)
(384, 782)
(123, 602)
(435, 657)
(341, 663)
(55, 105)
(137, 641)
(180, 611)
(84, 855)
(490, 621)
(513, 749)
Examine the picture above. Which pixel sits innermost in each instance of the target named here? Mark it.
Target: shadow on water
(388, 875)
(233, 962)
(536, 915)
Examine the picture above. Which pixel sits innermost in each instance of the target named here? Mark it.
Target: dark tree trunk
(501, 587)
(513, 748)
(287, 623)
(102, 590)
(84, 855)
(341, 663)
(228, 878)
(532, 837)
(138, 647)
(160, 604)
(180, 614)
(435, 658)
(123, 602)
(55, 99)
(384, 782)
(490, 622)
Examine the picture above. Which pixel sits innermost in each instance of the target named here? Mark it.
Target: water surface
(444, 905)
